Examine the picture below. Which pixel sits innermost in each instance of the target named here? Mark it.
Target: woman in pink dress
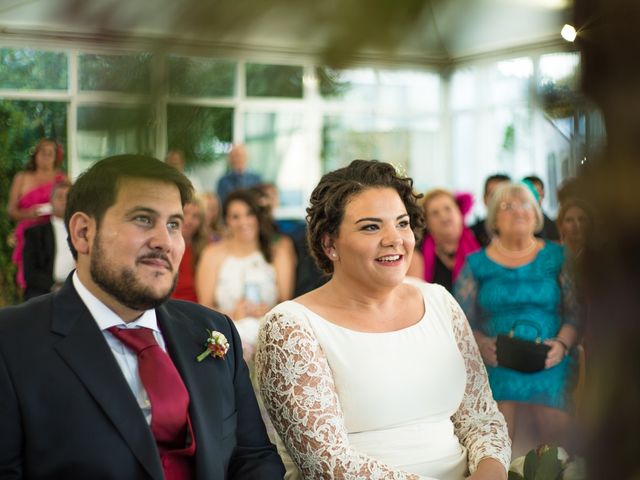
(447, 241)
(30, 193)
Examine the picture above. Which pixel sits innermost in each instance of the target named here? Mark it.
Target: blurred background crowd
(526, 152)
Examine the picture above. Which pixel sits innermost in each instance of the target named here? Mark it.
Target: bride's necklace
(516, 253)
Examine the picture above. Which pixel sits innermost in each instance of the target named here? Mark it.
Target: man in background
(175, 157)
(549, 230)
(47, 259)
(478, 228)
(237, 175)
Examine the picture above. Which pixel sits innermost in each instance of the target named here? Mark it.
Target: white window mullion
(72, 116)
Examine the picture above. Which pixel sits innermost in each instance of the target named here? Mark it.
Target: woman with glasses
(519, 284)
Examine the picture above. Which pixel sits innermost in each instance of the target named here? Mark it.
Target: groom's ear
(82, 229)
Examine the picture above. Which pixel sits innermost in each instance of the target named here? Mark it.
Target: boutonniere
(217, 346)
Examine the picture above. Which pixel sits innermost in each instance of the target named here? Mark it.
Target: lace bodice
(299, 390)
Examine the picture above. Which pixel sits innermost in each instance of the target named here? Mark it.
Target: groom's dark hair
(97, 188)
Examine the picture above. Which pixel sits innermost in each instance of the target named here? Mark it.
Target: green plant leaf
(515, 476)
(549, 467)
(530, 465)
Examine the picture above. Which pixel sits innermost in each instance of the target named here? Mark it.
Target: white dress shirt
(126, 358)
(63, 262)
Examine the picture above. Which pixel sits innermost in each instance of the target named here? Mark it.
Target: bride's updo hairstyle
(335, 189)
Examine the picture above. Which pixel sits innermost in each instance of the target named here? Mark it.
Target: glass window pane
(28, 69)
(560, 68)
(273, 80)
(412, 90)
(278, 151)
(463, 88)
(115, 73)
(204, 134)
(558, 84)
(201, 77)
(509, 80)
(105, 131)
(354, 86)
(409, 142)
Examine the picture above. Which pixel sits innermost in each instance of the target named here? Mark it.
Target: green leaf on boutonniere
(549, 466)
(530, 465)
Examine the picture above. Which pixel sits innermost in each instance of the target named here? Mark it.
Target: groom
(101, 379)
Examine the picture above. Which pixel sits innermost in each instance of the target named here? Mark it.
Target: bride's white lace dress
(350, 404)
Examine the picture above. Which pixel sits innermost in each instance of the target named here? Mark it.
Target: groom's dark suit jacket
(67, 412)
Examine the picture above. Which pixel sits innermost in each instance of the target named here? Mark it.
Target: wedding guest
(176, 158)
(47, 258)
(195, 239)
(249, 270)
(237, 176)
(447, 242)
(30, 193)
(102, 378)
(521, 283)
(212, 217)
(374, 374)
(575, 222)
(549, 229)
(479, 228)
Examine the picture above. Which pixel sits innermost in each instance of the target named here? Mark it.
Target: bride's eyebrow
(379, 220)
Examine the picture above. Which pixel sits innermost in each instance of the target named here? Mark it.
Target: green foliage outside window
(27, 69)
(284, 81)
(22, 124)
(202, 133)
(201, 77)
(115, 73)
(331, 84)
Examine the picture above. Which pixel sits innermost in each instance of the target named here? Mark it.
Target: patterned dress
(495, 298)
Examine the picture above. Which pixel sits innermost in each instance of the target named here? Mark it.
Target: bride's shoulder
(424, 288)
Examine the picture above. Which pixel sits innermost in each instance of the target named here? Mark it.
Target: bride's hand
(489, 469)
(487, 346)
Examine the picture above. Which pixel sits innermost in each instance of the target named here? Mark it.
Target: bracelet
(562, 342)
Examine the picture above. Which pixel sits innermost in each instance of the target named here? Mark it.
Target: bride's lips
(390, 260)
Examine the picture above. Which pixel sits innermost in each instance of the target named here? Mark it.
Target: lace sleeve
(298, 390)
(478, 423)
(466, 293)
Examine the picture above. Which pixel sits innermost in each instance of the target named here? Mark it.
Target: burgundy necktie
(168, 395)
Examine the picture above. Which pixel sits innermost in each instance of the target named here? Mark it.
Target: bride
(374, 375)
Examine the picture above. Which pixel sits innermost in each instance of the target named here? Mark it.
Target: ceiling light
(568, 33)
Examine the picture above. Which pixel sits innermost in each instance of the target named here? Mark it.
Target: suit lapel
(86, 352)
(184, 342)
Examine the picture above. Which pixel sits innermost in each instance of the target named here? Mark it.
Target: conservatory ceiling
(333, 31)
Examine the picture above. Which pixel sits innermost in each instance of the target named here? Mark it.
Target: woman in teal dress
(520, 281)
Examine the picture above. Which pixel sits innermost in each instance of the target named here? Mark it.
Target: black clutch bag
(526, 356)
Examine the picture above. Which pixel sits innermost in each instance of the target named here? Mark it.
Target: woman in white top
(373, 375)
(249, 270)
